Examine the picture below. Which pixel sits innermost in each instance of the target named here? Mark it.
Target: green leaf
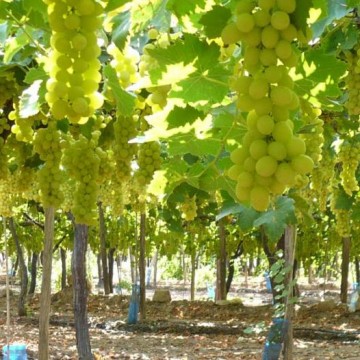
(29, 100)
(115, 4)
(215, 20)
(276, 220)
(300, 15)
(184, 7)
(35, 74)
(331, 10)
(120, 29)
(182, 116)
(125, 101)
(14, 44)
(343, 200)
(4, 26)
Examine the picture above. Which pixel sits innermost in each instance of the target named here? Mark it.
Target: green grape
(259, 198)
(245, 22)
(258, 88)
(231, 34)
(302, 164)
(246, 179)
(270, 37)
(266, 166)
(342, 217)
(288, 6)
(265, 124)
(282, 132)
(349, 156)
(277, 150)
(295, 146)
(285, 174)
(74, 48)
(280, 20)
(189, 208)
(47, 145)
(258, 149)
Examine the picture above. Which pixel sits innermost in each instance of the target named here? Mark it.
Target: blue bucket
(14, 352)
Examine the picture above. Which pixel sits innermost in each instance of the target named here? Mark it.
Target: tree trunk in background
(132, 266)
(111, 269)
(103, 252)
(63, 268)
(23, 269)
(357, 269)
(231, 267)
(45, 296)
(221, 264)
(346, 244)
(33, 272)
(100, 275)
(193, 274)
(81, 292)
(142, 266)
(289, 257)
(155, 260)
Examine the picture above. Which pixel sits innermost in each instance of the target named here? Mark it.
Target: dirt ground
(180, 329)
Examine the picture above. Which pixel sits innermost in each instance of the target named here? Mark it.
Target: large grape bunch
(47, 143)
(271, 156)
(82, 163)
(125, 129)
(189, 208)
(342, 216)
(349, 157)
(73, 66)
(352, 80)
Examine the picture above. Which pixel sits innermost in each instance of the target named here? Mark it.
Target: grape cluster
(25, 178)
(124, 152)
(125, 63)
(73, 65)
(149, 160)
(352, 81)
(8, 87)
(349, 156)
(6, 196)
(4, 170)
(47, 143)
(4, 125)
(271, 157)
(321, 179)
(189, 208)
(314, 140)
(82, 162)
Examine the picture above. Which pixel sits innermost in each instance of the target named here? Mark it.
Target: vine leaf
(14, 44)
(184, 7)
(276, 220)
(124, 100)
(182, 116)
(301, 14)
(115, 4)
(215, 20)
(120, 30)
(29, 100)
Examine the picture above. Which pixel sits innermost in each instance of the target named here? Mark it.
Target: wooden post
(8, 327)
(103, 252)
(142, 266)
(289, 256)
(346, 245)
(221, 264)
(45, 296)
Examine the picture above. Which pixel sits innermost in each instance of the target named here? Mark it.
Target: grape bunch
(349, 156)
(6, 196)
(8, 87)
(124, 152)
(4, 125)
(149, 160)
(271, 157)
(73, 66)
(4, 169)
(352, 81)
(82, 162)
(189, 208)
(125, 63)
(314, 140)
(47, 143)
(321, 179)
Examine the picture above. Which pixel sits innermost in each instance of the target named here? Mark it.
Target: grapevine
(271, 156)
(352, 80)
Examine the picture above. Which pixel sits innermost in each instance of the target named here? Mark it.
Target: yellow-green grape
(157, 98)
(352, 81)
(321, 178)
(149, 160)
(342, 217)
(72, 65)
(4, 170)
(124, 152)
(82, 162)
(189, 208)
(7, 192)
(349, 156)
(47, 143)
(153, 33)
(4, 125)
(231, 34)
(25, 180)
(125, 63)
(8, 87)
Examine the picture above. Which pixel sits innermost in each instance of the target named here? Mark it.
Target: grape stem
(21, 26)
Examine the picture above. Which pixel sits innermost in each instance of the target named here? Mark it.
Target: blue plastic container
(14, 352)
(272, 351)
(268, 282)
(134, 304)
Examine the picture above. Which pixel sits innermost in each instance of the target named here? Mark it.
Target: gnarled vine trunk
(103, 252)
(346, 244)
(33, 272)
(142, 266)
(221, 264)
(81, 292)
